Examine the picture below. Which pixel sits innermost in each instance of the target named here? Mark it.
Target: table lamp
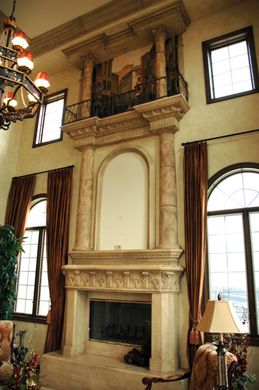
(220, 317)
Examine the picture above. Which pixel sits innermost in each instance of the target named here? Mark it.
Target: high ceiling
(54, 25)
(36, 17)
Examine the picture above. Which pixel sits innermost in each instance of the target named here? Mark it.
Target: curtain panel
(18, 203)
(58, 209)
(195, 215)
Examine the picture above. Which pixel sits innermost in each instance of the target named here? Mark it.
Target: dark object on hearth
(139, 358)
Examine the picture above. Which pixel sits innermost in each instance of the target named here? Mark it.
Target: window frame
(244, 34)
(39, 125)
(212, 183)
(34, 317)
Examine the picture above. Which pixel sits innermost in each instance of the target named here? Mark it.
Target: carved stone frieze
(137, 281)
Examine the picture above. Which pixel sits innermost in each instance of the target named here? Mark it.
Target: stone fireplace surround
(148, 275)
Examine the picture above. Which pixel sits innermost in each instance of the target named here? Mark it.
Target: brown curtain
(58, 207)
(18, 203)
(196, 185)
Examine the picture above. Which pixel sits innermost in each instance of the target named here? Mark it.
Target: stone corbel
(165, 113)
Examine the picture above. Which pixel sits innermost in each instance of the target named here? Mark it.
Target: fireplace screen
(120, 322)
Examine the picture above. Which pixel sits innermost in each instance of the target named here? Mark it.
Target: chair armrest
(148, 381)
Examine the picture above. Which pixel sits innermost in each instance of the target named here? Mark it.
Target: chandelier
(15, 66)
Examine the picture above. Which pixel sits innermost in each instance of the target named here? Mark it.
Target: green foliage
(238, 345)
(10, 246)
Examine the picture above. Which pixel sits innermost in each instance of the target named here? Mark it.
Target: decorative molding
(177, 10)
(133, 31)
(137, 281)
(125, 270)
(143, 120)
(154, 258)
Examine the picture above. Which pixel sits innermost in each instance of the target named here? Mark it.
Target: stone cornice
(135, 32)
(145, 256)
(144, 120)
(108, 16)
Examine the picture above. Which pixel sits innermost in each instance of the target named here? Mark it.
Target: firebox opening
(120, 322)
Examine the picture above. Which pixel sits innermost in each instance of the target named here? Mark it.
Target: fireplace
(120, 322)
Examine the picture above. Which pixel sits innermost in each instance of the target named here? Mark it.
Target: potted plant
(10, 247)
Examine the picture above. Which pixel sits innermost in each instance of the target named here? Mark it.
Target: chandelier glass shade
(20, 97)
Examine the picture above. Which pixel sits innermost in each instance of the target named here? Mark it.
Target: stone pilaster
(167, 206)
(164, 343)
(84, 209)
(87, 79)
(161, 84)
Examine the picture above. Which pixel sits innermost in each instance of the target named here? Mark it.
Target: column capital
(160, 32)
(88, 59)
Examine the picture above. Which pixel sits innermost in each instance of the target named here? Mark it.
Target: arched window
(233, 241)
(32, 283)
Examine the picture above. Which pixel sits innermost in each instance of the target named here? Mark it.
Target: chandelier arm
(17, 89)
(13, 10)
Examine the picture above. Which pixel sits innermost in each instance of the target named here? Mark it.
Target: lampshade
(24, 62)
(10, 100)
(42, 82)
(19, 41)
(220, 317)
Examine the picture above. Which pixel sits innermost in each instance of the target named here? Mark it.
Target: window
(230, 65)
(233, 242)
(32, 284)
(50, 119)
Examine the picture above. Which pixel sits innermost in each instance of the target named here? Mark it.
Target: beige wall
(9, 147)
(202, 121)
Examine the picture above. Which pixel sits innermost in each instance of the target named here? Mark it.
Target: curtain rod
(220, 136)
(50, 170)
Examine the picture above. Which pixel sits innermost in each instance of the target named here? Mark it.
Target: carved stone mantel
(125, 271)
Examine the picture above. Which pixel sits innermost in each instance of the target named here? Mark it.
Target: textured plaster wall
(210, 120)
(9, 146)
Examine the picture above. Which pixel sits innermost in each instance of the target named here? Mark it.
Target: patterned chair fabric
(6, 334)
(205, 366)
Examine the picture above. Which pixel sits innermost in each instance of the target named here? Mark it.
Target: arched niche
(123, 201)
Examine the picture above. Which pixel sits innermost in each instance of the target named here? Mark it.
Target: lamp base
(222, 365)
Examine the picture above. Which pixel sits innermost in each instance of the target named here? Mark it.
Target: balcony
(103, 105)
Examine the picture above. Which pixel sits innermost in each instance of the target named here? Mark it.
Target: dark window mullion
(17, 280)
(41, 124)
(38, 268)
(250, 275)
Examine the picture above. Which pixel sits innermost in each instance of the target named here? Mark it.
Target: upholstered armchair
(204, 371)
(205, 368)
(6, 334)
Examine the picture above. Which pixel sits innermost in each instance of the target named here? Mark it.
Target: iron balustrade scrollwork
(103, 105)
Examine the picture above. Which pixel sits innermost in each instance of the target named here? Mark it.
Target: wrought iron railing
(106, 105)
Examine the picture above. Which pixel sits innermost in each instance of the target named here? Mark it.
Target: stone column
(161, 83)
(84, 208)
(168, 205)
(87, 80)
